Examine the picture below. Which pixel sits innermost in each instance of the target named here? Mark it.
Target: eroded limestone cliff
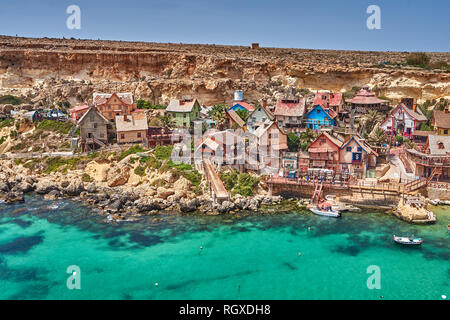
(46, 70)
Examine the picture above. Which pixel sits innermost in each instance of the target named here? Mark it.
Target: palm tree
(167, 122)
(378, 137)
(369, 121)
(217, 113)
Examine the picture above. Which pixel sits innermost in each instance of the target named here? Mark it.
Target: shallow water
(249, 257)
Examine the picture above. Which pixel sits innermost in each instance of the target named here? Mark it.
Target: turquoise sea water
(249, 257)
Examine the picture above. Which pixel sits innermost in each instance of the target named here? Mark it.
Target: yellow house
(441, 122)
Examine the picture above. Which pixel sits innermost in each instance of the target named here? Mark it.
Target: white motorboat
(410, 241)
(325, 213)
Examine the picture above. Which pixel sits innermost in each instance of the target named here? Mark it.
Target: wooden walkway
(217, 188)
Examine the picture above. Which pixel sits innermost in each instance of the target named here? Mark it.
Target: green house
(183, 111)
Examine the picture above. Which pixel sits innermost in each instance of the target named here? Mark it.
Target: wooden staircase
(435, 172)
(317, 192)
(415, 185)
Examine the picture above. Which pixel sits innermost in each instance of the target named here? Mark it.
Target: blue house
(318, 117)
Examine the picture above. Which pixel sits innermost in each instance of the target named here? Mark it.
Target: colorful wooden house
(77, 112)
(114, 104)
(324, 152)
(93, 130)
(271, 143)
(257, 117)
(366, 100)
(356, 157)
(434, 159)
(289, 112)
(319, 117)
(441, 122)
(403, 121)
(331, 100)
(132, 128)
(183, 111)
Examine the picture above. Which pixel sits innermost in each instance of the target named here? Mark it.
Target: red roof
(246, 105)
(328, 99)
(78, 108)
(365, 96)
(286, 107)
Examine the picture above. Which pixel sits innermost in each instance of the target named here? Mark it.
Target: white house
(403, 121)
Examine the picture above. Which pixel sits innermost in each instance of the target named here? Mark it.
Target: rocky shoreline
(121, 201)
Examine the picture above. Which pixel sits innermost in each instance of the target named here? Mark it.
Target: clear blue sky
(406, 25)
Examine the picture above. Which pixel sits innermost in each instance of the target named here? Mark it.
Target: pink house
(77, 112)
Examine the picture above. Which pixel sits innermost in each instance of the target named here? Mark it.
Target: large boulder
(74, 188)
(163, 193)
(182, 186)
(12, 197)
(189, 205)
(45, 186)
(120, 178)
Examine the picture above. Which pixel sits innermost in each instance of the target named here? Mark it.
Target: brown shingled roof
(441, 119)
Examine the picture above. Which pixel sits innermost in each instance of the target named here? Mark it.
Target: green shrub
(163, 152)
(132, 150)
(419, 59)
(142, 104)
(239, 183)
(140, 171)
(6, 123)
(55, 126)
(9, 99)
(86, 178)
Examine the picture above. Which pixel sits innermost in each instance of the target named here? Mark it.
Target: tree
(378, 137)
(167, 122)
(306, 137)
(217, 113)
(419, 59)
(293, 142)
(370, 119)
(243, 114)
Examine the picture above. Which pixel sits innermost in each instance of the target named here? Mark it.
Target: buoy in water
(299, 253)
(156, 284)
(444, 296)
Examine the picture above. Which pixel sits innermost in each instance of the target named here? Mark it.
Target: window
(318, 110)
(138, 134)
(101, 108)
(441, 145)
(349, 149)
(110, 114)
(323, 140)
(95, 125)
(126, 107)
(122, 136)
(184, 115)
(445, 131)
(109, 107)
(92, 117)
(359, 149)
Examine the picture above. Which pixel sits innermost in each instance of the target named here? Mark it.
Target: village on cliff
(323, 147)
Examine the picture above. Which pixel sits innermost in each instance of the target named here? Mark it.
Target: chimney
(414, 107)
(264, 103)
